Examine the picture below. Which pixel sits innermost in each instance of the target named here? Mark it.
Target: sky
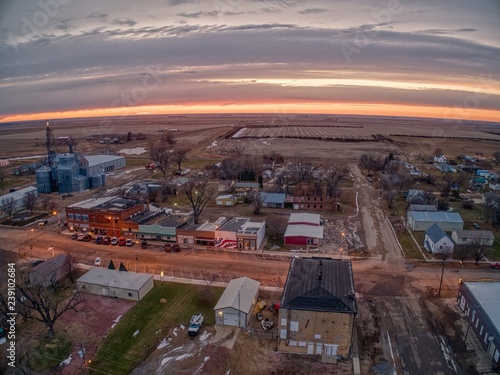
(428, 58)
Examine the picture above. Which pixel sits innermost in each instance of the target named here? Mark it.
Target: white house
(436, 241)
(439, 158)
(469, 237)
(236, 304)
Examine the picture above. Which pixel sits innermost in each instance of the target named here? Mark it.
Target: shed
(469, 237)
(421, 220)
(113, 283)
(236, 304)
(51, 271)
(225, 200)
(436, 241)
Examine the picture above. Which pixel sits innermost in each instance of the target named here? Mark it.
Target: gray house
(113, 283)
(49, 272)
(275, 200)
(436, 241)
(480, 301)
(236, 304)
(477, 237)
(421, 220)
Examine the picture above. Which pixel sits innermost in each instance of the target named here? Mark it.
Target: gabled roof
(303, 217)
(333, 291)
(446, 217)
(304, 230)
(116, 279)
(435, 233)
(273, 197)
(475, 234)
(238, 294)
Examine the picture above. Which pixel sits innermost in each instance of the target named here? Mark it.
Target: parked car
(476, 226)
(129, 242)
(98, 262)
(195, 324)
(167, 247)
(106, 240)
(122, 241)
(80, 237)
(495, 266)
(43, 222)
(37, 262)
(176, 248)
(114, 241)
(87, 237)
(144, 244)
(98, 240)
(74, 236)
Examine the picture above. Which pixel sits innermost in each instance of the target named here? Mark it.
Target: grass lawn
(138, 162)
(49, 352)
(409, 247)
(121, 352)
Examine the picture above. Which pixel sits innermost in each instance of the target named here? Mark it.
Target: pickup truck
(195, 324)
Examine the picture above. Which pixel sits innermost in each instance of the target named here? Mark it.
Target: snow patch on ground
(174, 332)
(162, 344)
(182, 327)
(198, 370)
(115, 322)
(135, 333)
(66, 361)
(133, 151)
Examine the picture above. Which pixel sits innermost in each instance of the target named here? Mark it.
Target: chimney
(320, 275)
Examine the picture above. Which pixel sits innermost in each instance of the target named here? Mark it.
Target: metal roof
(475, 234)
(487, 295)
(116, 279)
(19, 194)
(108, 203)
(435, 232)
(449, 217)
(304, 217)
(239, 294)
(306, 290)
(273, 197)
(99, 159)
(304, 230)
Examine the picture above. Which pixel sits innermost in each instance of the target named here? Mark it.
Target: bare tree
(257, 201)
(199, 193)
(389, 196)
(300, 170)
(333, 178)
(162, 154)
(462, 251)
(238, 149)
(43, 305)
(276, 225)
(29, 200)
(70, 266)
(8, 206)
(478, 251)
(179, 155)
(168, 137)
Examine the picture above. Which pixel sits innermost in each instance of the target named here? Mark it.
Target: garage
(236, 303)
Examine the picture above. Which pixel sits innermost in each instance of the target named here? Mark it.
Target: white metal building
(113, 283)
(236, 304)
(448, 221)
(18, 196)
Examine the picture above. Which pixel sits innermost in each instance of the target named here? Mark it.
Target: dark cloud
(198, 14)
(101, 16)
(313, 11)
(181, 2)
(127, 22)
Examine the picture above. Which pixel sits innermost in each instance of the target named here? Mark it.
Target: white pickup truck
(195, 324)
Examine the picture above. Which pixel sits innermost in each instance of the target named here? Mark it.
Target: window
(283, 322)
(292, 343)
(85, 217)
(130, 295)
(282, 333)
(464, 239)
(78, 217)
(71, 216)
(294, 326)
(316, 336)
(302, 343)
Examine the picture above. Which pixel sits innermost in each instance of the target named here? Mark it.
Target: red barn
(304, 229)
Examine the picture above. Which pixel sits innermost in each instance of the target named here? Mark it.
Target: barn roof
(448, 217)
(239, 294)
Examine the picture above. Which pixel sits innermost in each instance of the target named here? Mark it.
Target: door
(331, 350)
(319, 348)
(310, 348)
(231, 320)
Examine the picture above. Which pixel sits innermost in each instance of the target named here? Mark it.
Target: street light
(58, 220)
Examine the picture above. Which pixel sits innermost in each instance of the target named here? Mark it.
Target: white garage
(235, 306)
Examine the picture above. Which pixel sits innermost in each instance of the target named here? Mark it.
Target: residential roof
(449, 217)
(423, 207)
(304, 230)
(99, 159)
(54, 267)
(303, 217)
(107, 203)
(475, 234)
(273, 197)
(435, 233)
(487, 295)
(19, 194)
(239, 294)
(113, 278)
(306, 290)
(226, 196)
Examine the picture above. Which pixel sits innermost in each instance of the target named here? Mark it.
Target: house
(415, 172)
(225, 200)
(478, 183)
(236, 303)
(416, 196)
(470, 159)
(439, 158)
(303, 229)
(113, 283)
(443, 167)
(422, 220)
(480, 301)
(423, 207)
(318, 308)
(489, 197)
(483, 173)
(476, 237)
(495, 186)
(273, 200)
(244, 188)
(436, 241)
(51, 271)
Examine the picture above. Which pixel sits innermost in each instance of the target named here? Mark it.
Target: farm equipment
(195, 324)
